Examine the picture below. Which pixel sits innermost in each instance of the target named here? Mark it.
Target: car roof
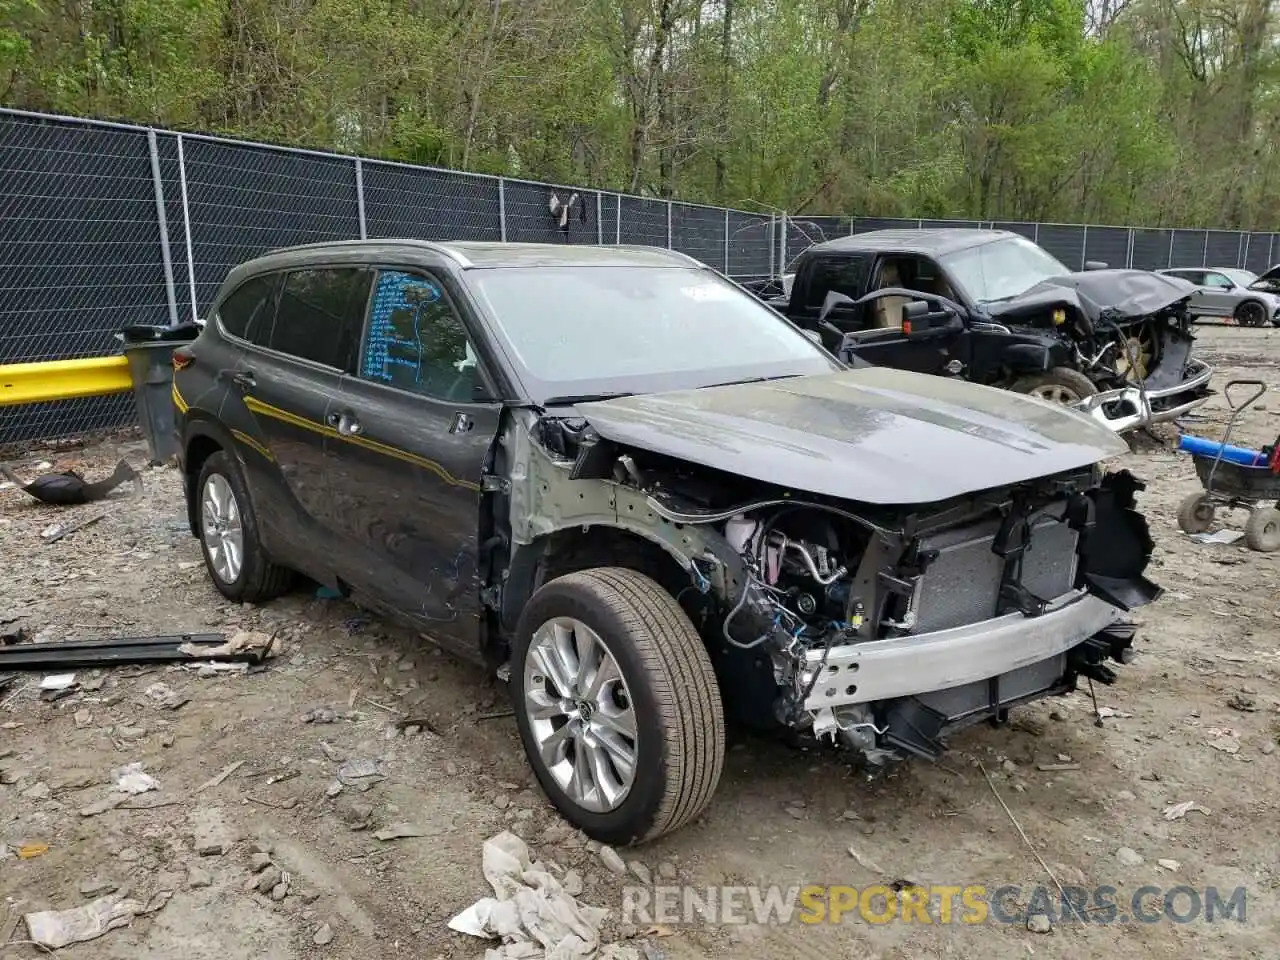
(469, 254)
(935, 241)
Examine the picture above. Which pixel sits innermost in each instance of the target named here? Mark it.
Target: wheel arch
(202, 439)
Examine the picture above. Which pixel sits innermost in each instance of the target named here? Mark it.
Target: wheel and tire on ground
(1251, 314)
(228, 527)
(617, 705)
(1059, 385)
(1196, 513)
(1262, 532)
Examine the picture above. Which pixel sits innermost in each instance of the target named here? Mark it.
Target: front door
(1218, 297)
(881, 339)
(409, 448)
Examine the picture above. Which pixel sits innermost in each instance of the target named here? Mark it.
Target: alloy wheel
(581, 714)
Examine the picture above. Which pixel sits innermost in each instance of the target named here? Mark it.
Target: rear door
(410, 446)
(286, 377)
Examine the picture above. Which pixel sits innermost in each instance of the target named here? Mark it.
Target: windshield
(1001, 269)
(582, 331)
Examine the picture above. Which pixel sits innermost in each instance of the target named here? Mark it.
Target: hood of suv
(1118, 293)
(874, 435)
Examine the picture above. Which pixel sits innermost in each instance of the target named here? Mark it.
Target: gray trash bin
(149, 350)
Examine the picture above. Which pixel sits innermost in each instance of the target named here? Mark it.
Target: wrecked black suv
(992, 307)
(648, 501)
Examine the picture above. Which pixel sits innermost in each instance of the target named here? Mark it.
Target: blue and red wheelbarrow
(1235, 478)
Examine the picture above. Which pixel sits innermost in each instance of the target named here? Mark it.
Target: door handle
(244, 379)
(345, 423)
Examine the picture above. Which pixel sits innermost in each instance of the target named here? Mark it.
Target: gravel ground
(1193, 719)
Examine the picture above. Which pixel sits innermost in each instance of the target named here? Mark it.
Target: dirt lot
(1195, 720)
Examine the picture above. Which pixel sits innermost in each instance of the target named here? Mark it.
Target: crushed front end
(886, 633)
(1129, 332)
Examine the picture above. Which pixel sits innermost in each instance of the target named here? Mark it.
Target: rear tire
(616, 788)
(1196, 513)
(1251, 314)
(223, 510)
(1262, 532)
(1059, 385)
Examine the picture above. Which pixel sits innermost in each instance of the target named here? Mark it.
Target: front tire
(228, 531)
(617, 705)
(1059, 385)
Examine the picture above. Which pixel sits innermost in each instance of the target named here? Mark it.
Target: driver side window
(416, 341)
(1216, 280)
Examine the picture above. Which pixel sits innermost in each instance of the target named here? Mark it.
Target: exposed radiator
(963, 584)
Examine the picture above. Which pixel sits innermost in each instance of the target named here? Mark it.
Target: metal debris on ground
(1176, 811)
(54, 929)
(217, 778)
(400, 831)
(531, 913)
(58, 531)
(82, 654)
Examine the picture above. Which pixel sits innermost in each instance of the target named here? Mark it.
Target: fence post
(782, 243)
(1128, 253)
(1035, 234)
(1204, 258)
(1271, 242)
(502, 209)
(186, 223)
(1084, 246)
(670, 238)
(599, 220)
(726, 241)
(1242, 256)
(1172, 233)
(773, 244)
(163, 222)
(364, 233)
(617, 223)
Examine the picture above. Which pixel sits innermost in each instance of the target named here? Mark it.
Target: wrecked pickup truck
(650, 504)
(994, 308)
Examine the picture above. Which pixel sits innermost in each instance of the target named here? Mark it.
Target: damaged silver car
(653, 506)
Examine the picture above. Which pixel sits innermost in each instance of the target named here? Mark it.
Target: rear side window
(321, 315)
(416, 339)
(247, 313)
(847, 275)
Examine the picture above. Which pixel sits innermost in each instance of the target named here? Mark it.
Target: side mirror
(831, 301)
(920, 321)
(1096, 265)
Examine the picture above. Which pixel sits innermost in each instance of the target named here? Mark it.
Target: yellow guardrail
(63, 379)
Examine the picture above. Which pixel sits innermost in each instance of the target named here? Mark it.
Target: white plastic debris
(58, 681)
(132, 779)
(530, 912)
(246, 641)
(55, 929)
(1218, 536)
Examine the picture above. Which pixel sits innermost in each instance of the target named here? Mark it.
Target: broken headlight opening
(885, 640)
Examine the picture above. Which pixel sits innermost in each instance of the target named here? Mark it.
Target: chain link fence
(104, 225)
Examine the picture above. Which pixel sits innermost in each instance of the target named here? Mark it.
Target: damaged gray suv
(652, 505)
